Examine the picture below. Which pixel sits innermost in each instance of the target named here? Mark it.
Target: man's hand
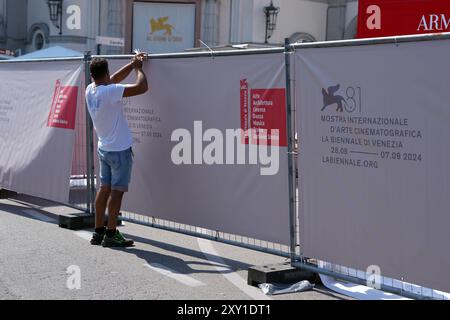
(141, 85)
(138, 60)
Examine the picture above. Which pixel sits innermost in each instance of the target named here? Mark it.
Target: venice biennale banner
(38, 105)
(210, 144)
(374, 128)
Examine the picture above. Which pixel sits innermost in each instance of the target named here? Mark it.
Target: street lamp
(271, 13)
(55, 7)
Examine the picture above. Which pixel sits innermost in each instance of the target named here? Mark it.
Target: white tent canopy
(51, 52)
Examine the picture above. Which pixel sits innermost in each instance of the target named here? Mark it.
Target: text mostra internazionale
(374, 131)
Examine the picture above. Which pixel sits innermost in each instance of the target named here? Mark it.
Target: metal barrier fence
(214, 235)
(83, 177)
(346, 273)
(78, 196)
(293, 250)
(79, 171)
(83, 174)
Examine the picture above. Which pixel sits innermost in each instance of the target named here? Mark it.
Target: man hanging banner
(381, 18)
(38, 105)
(193, 163)
(374, 158)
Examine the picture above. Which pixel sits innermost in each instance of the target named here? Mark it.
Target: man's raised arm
(141, 85)
(122, 74)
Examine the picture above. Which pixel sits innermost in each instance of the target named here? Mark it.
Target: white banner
(38, 103)
(374, 128)
(188, 168)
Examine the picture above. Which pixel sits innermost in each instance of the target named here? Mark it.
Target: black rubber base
(282, 273)
(76, 221)
(81, 221)
(6, 193)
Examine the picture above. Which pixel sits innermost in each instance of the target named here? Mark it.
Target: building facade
(13, 25)
(299, 20)
(168, 25)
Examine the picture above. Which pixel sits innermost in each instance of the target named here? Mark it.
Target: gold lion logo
(160, 25)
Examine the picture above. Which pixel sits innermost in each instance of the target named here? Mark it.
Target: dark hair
(98, 68)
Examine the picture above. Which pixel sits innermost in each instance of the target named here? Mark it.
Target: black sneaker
(118, 240)
(97, 238)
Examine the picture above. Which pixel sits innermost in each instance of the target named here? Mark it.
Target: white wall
(351, 12)
(244, 20)
(38, 12)
(295, 16)
(241, 25)
(224, 21)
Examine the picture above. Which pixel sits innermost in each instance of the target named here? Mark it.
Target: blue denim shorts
(115, 169)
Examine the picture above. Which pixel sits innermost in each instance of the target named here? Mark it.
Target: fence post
(90, 186)
(291, 149)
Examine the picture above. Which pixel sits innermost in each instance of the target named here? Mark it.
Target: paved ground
(35, 254)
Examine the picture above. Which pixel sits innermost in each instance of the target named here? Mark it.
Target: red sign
(266, 117)
(382, 18)
(64, 106)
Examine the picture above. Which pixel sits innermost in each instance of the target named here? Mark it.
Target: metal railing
(78, 189)
(343, 273)
(86, 180)
(214, 235)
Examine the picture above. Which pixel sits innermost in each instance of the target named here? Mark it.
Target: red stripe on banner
(244, 110)
(54, 100)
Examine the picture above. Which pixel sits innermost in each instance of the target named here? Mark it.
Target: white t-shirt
(106, 109)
